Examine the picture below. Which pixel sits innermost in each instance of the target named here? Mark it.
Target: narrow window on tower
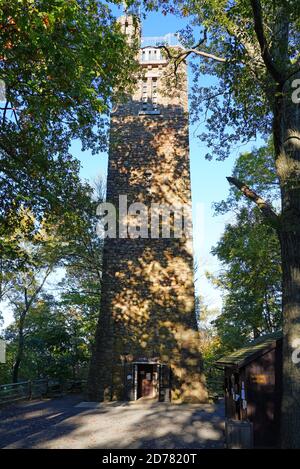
(154, 94)
(149, 101)
(145, 94)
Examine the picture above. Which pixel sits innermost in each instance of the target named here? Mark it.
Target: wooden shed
(253, 387)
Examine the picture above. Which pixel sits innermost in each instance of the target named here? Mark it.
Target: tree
(249, 252)
(210, 345)
(250, 279)
(61, 62)
(41, 256)
(252, 48)
(81, 286)
(256, 168)
(55, 333)
(250, 255)
(56, 343)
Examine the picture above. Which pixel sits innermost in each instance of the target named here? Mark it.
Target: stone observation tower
(147, 342)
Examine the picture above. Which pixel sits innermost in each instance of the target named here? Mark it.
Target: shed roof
(251, 351)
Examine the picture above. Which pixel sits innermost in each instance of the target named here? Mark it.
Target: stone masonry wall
(147, 306)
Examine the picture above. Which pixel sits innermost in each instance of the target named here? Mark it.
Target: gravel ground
(70, 423)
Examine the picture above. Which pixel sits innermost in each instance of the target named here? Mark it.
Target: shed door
(262, 399)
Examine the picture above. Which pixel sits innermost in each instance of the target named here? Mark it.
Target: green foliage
(56, 342)
(52, 336)
(256, 169)
(251, 280)
(62, 63)
(211, 347)
(81, 285)
(250, 254)
(242, 91)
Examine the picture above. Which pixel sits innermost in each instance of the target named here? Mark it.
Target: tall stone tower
(147, 342)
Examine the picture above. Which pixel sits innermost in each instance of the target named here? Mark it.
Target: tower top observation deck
(131, 26)
(169, 39)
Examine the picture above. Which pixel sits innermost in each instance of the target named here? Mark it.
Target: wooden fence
(38, 388)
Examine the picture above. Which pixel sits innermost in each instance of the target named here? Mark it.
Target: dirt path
(71, 423)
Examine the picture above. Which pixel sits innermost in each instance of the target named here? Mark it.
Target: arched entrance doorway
(147, 379)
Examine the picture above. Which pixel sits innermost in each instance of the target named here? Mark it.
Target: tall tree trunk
(287, 147)
(100, 369)
(20, 350)
(290, 425)
(286, 134)
(28, 301)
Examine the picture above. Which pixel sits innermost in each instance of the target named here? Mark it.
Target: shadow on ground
(62, 423)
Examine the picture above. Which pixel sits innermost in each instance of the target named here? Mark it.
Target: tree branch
(5, 109)
(186, 52)
(205, 54)
(262, 204)
(260, 34)
(38, 289)
(181, 56)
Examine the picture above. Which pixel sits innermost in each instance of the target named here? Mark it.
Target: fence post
(29, 390)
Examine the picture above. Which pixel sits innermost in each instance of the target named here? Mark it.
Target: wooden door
(147, 386)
